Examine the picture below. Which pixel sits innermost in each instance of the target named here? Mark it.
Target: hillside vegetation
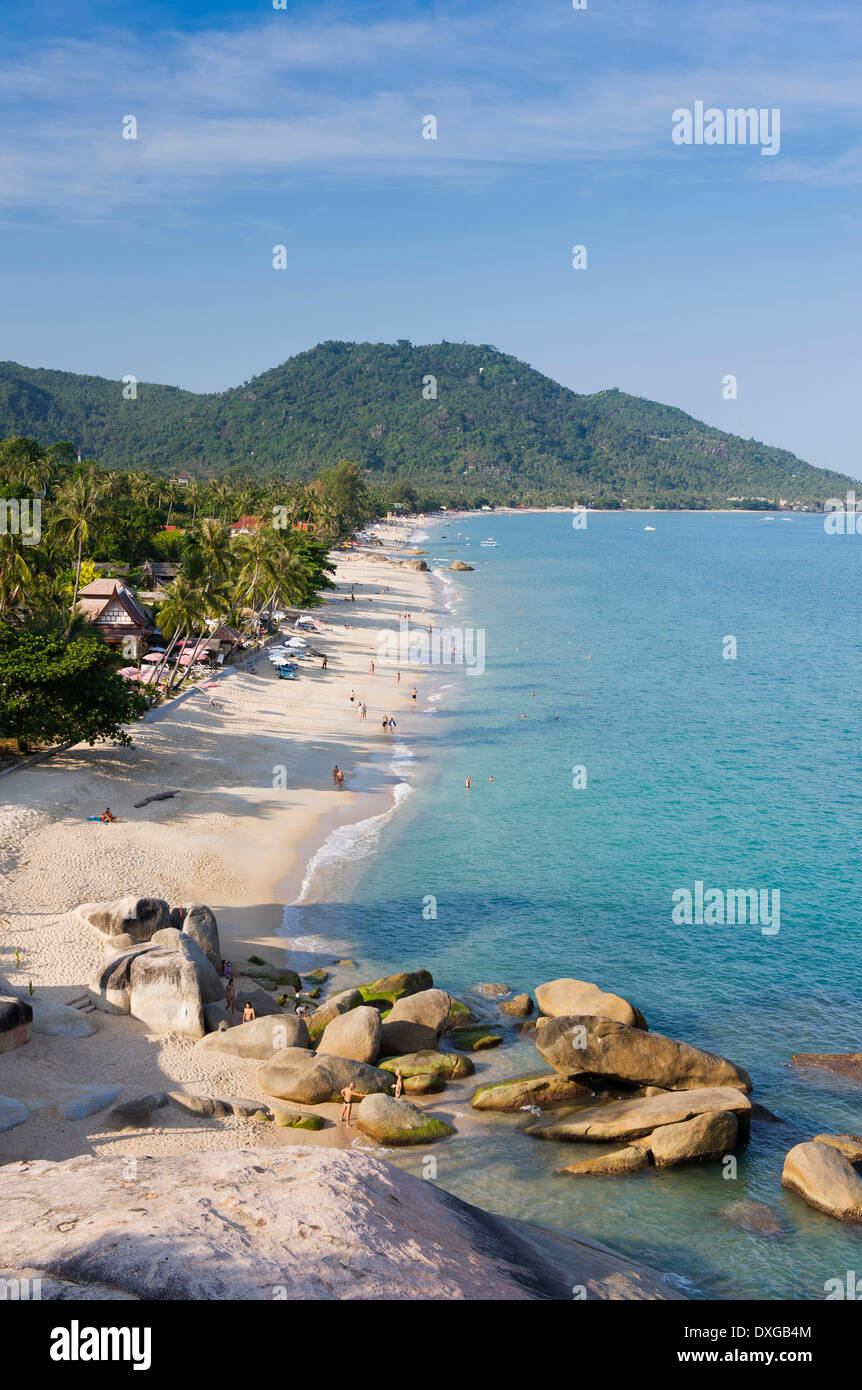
(495, 429)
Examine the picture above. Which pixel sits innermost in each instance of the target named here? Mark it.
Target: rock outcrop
(391, 988)
(415, 1022)
(560, 998)
(369, 1232)
(392, 1121)
(580, 1045)
(16, 1023)
(523, 1092)
(338, 1004)
(632, 1119)
(844, 1064)
(825, 1179)
(699, 1140)
(519, 1007)
(137, 918)
(200, 924)
(260, 1039)
(356, 1033)
(308, 1079)
(450, 1066)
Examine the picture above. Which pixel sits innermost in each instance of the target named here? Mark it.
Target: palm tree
(15, 575)
(181, 613)
(77, 504)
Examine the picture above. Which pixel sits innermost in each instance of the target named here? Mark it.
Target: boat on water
(490, 541)
(649, 528)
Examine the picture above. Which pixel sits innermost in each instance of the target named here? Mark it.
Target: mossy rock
(256, 960)
(317, 977)
(520, 1091)
(394, 987)
(460, 1014)
(475, 1039)
(448, 1065)
(292, 1119)
(391, 1121)
(345, 961)
(423, 1085)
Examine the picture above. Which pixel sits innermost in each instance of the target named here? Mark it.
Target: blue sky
(303, 127)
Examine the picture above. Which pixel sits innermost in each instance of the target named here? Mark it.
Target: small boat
(649, 528)
(490, 542)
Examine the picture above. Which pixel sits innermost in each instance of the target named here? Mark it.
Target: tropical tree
(77, 504)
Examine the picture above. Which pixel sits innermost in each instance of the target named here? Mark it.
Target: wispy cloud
(282, 96)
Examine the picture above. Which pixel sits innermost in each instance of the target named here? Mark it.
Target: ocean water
(738, 773)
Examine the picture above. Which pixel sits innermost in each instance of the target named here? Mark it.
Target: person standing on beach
(399, 1083)
(323, 665)
(339, 779)
(347, 1096)
(371, 669)
(248, 1014)
(397, 677)
(335, 772)
(364, 711)
(385, 723)
(352, 697)
(413, 693)
(230, 997)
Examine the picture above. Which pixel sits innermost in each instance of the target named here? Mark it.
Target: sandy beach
(255, 799)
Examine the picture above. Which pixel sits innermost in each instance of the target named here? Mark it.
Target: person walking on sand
(399, 1083)
(248, 1014)
(230, 997)
(385, 723)
(397, 677)
(371, 669)
(323, 664)
(364, 711)
(391, 728)
(413, 693)
(352, 697)
(347, 1095)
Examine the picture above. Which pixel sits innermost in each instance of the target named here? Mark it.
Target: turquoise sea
(738, 773)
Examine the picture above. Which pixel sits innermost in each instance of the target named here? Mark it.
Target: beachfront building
(244, 526)
(115, 612)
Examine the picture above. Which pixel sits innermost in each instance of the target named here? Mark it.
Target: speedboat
(490, 542)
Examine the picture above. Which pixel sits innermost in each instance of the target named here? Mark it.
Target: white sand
(231, 839)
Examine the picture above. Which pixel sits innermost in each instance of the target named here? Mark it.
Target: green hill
(496, 429)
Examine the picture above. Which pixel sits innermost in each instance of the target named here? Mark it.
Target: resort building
(112, 608)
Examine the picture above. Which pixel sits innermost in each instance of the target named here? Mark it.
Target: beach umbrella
(153, 656)
(129, 673)
(148, 676)
(297, 642)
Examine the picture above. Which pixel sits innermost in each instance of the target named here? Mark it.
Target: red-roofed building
(244, 526)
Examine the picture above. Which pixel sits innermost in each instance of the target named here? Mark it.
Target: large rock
(355, 1034)
(752, 1216)
(394, 987)
(847, 1065)
(165, 993)
(700, 1139)
(55, 1020)
(392, 1121)
(84, 1101)
(259, 1039)
(519, 1007)
(339, 1004)
(850, 1145)
(523, 1092)
(263, 1004)
(629, 1160)
(222, 1225)
(631, 1119)
(111, 986)
(825, 1179)
(449, 1066)
(200, 924)
(581, 1044)
(16, 1022)
(415, 1022)
(560, 998)
(309, 1079)
(210, 982)
(137, 918)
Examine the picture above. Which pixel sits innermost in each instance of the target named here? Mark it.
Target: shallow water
(738, 773)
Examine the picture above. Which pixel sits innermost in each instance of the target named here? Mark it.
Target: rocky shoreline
(652, 1102)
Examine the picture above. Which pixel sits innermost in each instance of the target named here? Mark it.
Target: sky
(303, 127)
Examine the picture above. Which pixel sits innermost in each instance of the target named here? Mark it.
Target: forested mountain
(462, 421)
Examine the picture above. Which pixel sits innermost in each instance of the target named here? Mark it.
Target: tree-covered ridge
(463, 421)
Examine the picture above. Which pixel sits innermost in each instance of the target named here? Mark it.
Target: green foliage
(58, 691)
(497, 430)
